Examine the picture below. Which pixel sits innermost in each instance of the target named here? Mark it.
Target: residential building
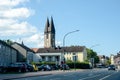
(7, 54)
(57, 54)
(25, 53)
(112, 59)
(117, 60)
(103, 60)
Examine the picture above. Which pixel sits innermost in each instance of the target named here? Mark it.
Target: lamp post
(74, 59)
(66, 35)
(91, 58)
(64, 43)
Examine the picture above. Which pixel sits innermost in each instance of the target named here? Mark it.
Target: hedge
(79, 65)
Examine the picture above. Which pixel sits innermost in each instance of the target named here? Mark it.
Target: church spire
(52, 26)
(49, 34)
(46, 26)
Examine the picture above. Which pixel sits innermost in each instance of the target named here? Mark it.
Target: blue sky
(97, 20)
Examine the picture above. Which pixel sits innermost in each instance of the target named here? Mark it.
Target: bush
(79, 65)
(40, 63)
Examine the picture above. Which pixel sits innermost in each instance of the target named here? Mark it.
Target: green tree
(92, 54)
(9, 42)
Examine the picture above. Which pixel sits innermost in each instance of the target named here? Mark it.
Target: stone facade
(25, 53)
(7, 54)
(49, 34)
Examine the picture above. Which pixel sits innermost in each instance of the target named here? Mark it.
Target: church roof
(60, 49)
(49, 27)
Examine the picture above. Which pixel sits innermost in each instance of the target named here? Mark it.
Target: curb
(34, 74)
(18, 77)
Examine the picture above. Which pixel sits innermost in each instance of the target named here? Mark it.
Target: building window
(74, 53)
(47, 36)
(57, 58)
(43, 58)
(49, 58)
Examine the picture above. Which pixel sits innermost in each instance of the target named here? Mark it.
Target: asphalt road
(95, 74)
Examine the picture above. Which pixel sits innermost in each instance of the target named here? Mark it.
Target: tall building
(51, 53)
(49, 34)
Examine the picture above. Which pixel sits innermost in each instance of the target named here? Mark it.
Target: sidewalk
(33, 74)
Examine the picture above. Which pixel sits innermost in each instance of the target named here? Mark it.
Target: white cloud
(58, 43)
(11, 23)
(16, 13)
(11, 3)
(35, 40)
(6, 22)
(15, 29)
(14, 26)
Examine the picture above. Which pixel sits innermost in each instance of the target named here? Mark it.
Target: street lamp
(64, 42)
(91, 58)
(74, 59)
(94, 46)
(66, 35)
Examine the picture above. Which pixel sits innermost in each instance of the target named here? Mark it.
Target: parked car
(111, 67)
(30, 68)
(17, 67)
(55, 67)
(35, 67)
(64, 67)
(44, 68)
(3, 69)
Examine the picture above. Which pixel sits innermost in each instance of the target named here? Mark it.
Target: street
(94, 74)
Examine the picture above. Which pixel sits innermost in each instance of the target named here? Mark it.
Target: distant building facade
(76, 53)
(57, 54)
(25, 53)
(7, 54)
(112, 59)
(116, 60)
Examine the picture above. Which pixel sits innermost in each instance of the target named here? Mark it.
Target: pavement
(33, 74)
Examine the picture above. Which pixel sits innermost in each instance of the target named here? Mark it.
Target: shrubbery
(40, 63)
(79, 65)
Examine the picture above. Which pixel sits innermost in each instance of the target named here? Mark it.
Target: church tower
(49, 34)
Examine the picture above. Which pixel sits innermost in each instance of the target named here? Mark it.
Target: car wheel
(19, 70)
(42, 70)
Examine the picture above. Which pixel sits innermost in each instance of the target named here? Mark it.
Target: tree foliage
(9, 42)
(92, 54)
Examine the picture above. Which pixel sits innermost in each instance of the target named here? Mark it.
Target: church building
(51, 53)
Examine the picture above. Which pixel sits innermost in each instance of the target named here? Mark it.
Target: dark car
(55, 67)
(17, 67)
(44, 68)
(30, 68)
(111, 67)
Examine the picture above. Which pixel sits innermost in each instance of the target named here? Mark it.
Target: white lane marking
(56, 79)
(105, 77)
(108, 76)
(89, 77)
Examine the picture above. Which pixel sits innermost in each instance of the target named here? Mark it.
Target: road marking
(105, 77)
(89, 77)
(56, 79)
(108, 76)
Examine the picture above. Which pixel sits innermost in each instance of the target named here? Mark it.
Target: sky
(98, 22)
